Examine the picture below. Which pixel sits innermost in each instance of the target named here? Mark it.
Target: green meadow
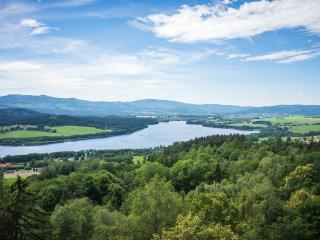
(61, 131)
(305, 128)
(248, 124)
(292, 120)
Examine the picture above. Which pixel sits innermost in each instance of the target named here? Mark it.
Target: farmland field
(305, 128)
(248, 124)
(63, 131)
(293, 120)
(22, 173)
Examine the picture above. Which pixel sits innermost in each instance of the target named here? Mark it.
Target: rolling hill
(305, 110)
(73, 106)
(77, 107)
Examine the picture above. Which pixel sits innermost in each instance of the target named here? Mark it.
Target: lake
(164, 133)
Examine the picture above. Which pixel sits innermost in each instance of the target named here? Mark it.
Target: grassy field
(293, 120)
(297, 124)
(63, 131)
(9, 181)
(10, 178)
(305, 128)
(248, 124)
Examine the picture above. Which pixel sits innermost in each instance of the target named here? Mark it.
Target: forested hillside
(27, 117)
(26, 127)
(219, 187)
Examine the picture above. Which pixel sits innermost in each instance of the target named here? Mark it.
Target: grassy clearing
(78, 130)
(63, 131)
(10, 178)
(22, 173)
(9, 181)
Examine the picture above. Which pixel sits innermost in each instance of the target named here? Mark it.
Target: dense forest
(218, 187)
(26, 117)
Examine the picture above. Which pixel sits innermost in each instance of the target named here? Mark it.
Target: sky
(250, 53)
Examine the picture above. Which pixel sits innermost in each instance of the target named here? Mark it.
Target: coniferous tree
(19, 218)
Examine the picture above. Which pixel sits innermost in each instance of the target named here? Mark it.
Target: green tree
(19, 217)
(153, 207)
(301, 177)
(218, 175)
(110, 225)
(73, 220)
(211, 207)
(302, 220)
(187, 174)
(189, 228)
(50, 195)
(149, 170)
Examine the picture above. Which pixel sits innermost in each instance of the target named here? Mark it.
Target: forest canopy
(218, 187)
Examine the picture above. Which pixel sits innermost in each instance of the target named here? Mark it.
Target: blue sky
(224, 51)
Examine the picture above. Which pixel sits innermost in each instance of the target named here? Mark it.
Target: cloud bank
(203, 23)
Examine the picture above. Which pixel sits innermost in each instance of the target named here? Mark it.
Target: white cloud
(168, 56)
(31, 23)
(17, 9)
(221, 22)
(301, 57)
(36, 26)
(40, 30)
(70, 3)
(117, 64)
(161, 55)
(14, 36)
(286, 56)
(236, 55)
(18, 66)
(229, 1)
(277, 55)
(101, 77)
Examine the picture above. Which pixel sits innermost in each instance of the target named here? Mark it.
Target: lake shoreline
(161, 134)
(52, 140)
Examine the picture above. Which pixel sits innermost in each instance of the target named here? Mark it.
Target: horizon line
(156, 99)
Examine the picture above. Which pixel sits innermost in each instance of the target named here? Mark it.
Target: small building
(58, 160)
(40, 169)
(5, 165)
(306, 141)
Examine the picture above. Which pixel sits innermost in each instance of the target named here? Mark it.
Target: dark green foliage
(221, 187)
(39, 119)
(19, 217)
(73, 220)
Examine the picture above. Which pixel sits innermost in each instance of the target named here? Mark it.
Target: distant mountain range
(73, 106)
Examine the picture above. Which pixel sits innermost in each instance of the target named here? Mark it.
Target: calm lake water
(155, 135)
